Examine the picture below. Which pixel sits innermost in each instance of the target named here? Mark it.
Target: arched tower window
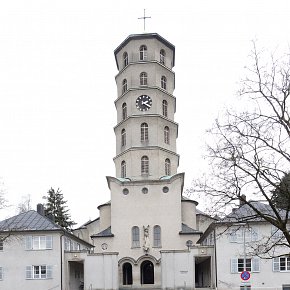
(163, 82)
(123, 169)
(145, 165)
(166, 135)
(162, 56)
(164, 108)
(144, 132)
(135, 237)
(124, 111)
(125, 58)
(123, 137)
(127, 274)
(143, 52)
(124, 86)
(147, 272)
(167, 167)
(157, 236)
(143, 79)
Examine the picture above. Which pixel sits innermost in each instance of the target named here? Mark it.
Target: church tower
(146, 214)
(145, 132)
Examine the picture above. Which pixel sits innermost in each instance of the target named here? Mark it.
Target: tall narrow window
(124, 86)
(135, 237)
(123, 169)
(1, 273)
(162, 56)
(167, 167)
(125, 58)
(164, 108)
(144, 132)
(127, 274)
(166, 135)
(157, 236)
(124, 111)
(123, 137)
(145, 165)
(143, 52)
(143, 79)
(163, 82)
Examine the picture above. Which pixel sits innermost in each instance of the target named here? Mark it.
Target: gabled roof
(28, 221)
(33, 221)
(245, 213)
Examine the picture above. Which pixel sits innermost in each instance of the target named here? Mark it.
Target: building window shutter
(28, 272)
(255, 234)
(28, 243)
(276, 264)
(256, 265)
(49, 271)
(234, 265)
(48, 242)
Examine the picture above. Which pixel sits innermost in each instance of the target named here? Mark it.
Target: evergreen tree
(281, 194)
(57, 208)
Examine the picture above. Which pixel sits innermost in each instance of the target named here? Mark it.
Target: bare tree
(25, 204)
(249, 151)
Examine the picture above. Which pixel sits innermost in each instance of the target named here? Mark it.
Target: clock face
(143, 103)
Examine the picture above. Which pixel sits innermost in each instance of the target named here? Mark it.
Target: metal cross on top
(144, 18)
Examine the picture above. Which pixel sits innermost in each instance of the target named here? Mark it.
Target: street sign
(245, 275)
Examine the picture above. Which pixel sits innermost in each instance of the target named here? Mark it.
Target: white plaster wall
(105, 216)
(138, 209)
(14, 259)
(178, 270)
(101, 272)
(189, 213)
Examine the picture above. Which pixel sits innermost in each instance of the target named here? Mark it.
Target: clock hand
(146, 104)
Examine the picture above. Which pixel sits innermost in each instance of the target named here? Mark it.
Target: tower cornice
(142, 116)
(142, 148)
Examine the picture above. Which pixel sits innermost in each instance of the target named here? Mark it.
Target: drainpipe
(61, 263)
(215, 257)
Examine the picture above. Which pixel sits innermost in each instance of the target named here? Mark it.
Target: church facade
(147, 221)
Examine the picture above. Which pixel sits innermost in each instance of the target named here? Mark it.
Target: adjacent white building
(239, 240)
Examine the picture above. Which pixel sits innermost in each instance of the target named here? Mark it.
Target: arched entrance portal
(127, 274)
(147, 272)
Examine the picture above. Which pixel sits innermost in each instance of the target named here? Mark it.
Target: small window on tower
(143, 52)
(164, 108)
(162, 56)
(124, 111)
(166, 135)
(163, 82)
(124, 86)
(123, 137)
(145, 165)
(125, 58)
(144, 132)
(123, 169)
(167, 167)
(143, 79)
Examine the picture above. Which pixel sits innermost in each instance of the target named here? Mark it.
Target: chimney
(243, 198)
(40, 209)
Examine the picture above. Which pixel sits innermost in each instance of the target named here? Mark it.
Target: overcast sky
(57, 85)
